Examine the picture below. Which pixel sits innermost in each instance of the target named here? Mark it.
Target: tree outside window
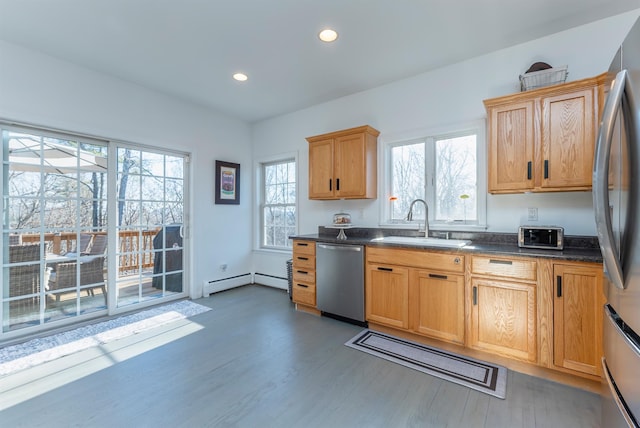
(279, 203)
(443, 171)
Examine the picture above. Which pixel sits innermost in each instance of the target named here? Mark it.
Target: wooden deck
(65, 305)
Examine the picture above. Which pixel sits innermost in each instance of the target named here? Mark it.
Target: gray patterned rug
(479, 375)
(40, 350)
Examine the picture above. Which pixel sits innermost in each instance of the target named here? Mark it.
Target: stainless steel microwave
(547, 237)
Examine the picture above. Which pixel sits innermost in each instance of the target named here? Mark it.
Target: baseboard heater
(216, 285)
(271, 281)
(213, 286)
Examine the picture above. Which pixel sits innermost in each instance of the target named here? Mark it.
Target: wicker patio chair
(15, 239)
(91, 272)
(24, 279)
(98, 245)
(83, 245)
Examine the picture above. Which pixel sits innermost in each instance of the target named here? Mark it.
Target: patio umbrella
(29, 154)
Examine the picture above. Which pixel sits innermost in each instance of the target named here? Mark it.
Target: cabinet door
(350, 166)
(568, 140)
(437, 305)
(577, 318)
(511, 147)
(321, 181)
(387, 295)
(503, 318)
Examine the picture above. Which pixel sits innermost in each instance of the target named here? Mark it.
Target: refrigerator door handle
(601, 178)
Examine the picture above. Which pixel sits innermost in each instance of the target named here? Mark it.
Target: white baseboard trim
(209, 287)
(271, 281)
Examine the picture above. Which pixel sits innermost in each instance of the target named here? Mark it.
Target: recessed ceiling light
(328, 35)
(240, 77)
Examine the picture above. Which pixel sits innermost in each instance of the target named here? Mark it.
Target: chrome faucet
(426, 216)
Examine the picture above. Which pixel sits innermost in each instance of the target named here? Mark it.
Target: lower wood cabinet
(577, 317)
(536, 310)
(436, 306)
(303, 290)
(387, 295)
(503, 318)
(416, 291)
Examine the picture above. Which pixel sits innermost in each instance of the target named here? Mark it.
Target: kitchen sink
(423, 241)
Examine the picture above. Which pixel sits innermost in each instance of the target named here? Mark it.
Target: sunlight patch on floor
(27, 384)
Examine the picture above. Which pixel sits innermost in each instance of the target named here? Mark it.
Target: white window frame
(260, 204)
(111, 199)
(429, 136)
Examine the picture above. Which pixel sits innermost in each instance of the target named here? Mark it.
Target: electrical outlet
(532, 214)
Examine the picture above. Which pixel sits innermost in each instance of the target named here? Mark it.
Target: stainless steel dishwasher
(340, 281)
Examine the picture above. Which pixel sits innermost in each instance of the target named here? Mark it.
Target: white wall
(445, 96)
(41, 90)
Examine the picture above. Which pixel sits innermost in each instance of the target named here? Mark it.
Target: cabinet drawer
(524, 269)
(303, 261)
(417, 258)
(304, 293)
(304, 247)
(304, 275)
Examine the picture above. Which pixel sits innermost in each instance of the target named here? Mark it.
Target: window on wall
(444, 170)
(278, 203)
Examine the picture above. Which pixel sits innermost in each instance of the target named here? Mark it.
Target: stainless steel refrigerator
(616, 197)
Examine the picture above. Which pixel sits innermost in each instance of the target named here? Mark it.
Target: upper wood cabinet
(543, 140)
(343, 164)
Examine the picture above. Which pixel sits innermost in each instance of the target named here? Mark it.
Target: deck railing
(135, 248)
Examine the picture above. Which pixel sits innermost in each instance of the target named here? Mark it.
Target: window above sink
(445, 167)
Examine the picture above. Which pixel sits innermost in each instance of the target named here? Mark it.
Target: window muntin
(278, 219)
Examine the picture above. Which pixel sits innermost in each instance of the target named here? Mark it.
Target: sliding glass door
(150, 216)
(90, 227)
(54, 228)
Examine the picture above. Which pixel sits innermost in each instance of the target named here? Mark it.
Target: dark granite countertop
(577, 248)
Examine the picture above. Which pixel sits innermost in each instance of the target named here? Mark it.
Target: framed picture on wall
(227, 183)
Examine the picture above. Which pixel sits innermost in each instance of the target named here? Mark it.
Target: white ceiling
(190, 48)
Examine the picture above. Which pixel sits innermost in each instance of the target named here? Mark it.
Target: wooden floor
(253, 361)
